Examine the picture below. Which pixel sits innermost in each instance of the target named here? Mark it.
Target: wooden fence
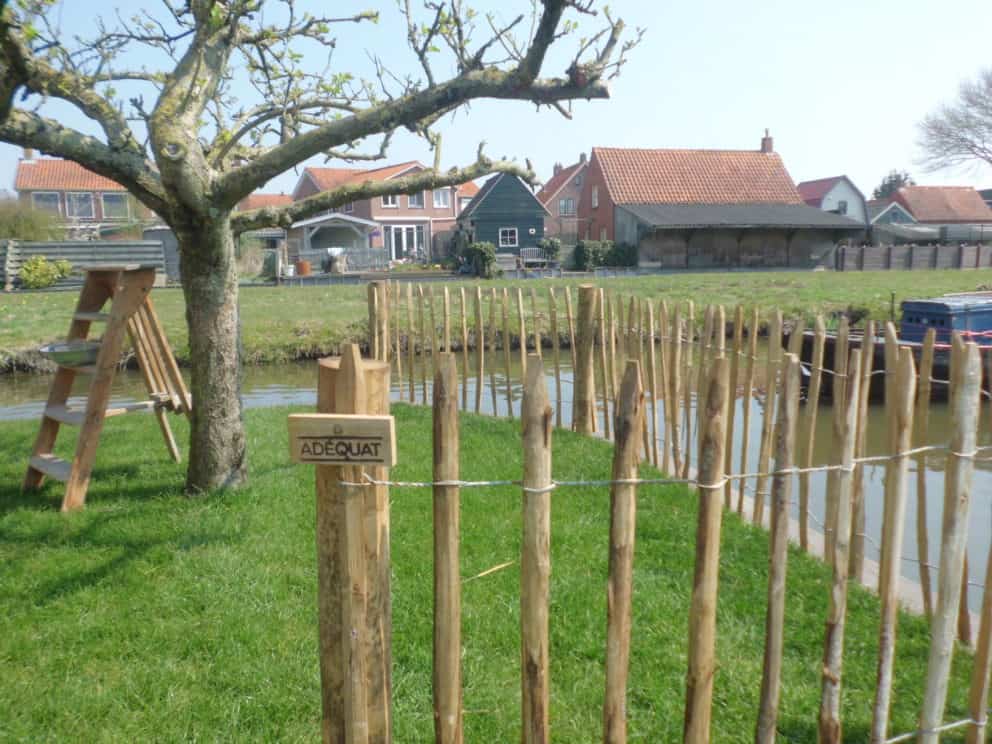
(908, 257)
(645, 371)
(81, 254)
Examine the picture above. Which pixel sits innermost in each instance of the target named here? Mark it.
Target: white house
(837, 194)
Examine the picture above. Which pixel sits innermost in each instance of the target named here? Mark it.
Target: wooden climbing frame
(131, 313)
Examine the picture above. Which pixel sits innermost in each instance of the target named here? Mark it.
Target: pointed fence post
(785, 433)
(899, 409)
(447, 577)
(813, 407)
(966, 382)
(623, 516)
(841, 382)
(921, 424)
(535, 559)
(584, 389)
(702, 610)
(845, 434)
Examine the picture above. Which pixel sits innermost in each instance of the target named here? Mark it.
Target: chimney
(557, 168)
(28, 154)
(767, 144)
(582, 157)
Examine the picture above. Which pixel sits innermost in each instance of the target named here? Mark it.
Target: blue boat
(969, 313)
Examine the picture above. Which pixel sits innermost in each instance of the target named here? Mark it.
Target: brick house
(403, 225)
(706, 208)
(944, 205)
(561, 196)
(87, 204)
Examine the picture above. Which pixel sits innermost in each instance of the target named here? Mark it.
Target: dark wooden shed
(505, 213)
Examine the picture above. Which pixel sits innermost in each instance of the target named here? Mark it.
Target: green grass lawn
(288, 323)
(152, 616)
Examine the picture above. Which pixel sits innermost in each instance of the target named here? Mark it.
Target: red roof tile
(469, 188)
(635, 176)
(330, 178)
(812, 192)
(258, 201)
(559, 179)
(55, 174)
(944, 204)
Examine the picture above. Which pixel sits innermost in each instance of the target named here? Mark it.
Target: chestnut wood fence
(636, 378)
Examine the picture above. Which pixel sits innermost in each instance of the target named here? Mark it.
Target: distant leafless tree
(197, 103)
(960, 133)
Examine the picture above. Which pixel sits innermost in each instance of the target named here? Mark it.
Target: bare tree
(186, 146)
(960, 133)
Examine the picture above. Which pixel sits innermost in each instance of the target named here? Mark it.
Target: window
(508, 237)
(47, 201)
(566, 207)
(115, 206)
(602, 234)
(416, 201)
(390, 200)
(349, 207)
(79, 205)
(442, 198)
(595, 197)
(578, 180)
(842, 207)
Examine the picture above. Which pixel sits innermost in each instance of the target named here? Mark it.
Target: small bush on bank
(591, 254)
(482, 258)
(38, 272)
(550, 249)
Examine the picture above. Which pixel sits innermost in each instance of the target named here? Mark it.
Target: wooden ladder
(131, 313)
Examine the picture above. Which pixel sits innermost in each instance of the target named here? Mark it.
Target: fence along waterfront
(689, 360)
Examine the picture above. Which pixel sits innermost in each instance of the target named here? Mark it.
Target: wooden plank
(619, 588)
(899, 410)
(965, 402)
(92, 317)
(535, 560)
(178, 384)
(342, 439)
(771, 675)
(584, 388)
(921, 424)
(812, 408)
(51, 466)
(447, 673)
(844, 436)
(702, 611)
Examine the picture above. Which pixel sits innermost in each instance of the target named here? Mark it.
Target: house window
(595, 197)
(566, 207)
(602, 233)
(416, 201)
(115, 206)
(390, 200)
(46, 201)
(578, 180)
(349, 207)
(842, 207)
(442, 198)
(508, 237)
(79, 205)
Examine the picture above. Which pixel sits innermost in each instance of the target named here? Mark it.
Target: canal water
(23, 396)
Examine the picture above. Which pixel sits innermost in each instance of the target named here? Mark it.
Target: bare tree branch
(959, 134)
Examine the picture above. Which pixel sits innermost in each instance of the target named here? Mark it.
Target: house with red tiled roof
(260, 201)
(836, 194)
(86, 202)
(405, 225)
(944, 205)
(561, 196)
(706, 208)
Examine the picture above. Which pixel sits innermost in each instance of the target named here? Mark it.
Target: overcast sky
(841, 85)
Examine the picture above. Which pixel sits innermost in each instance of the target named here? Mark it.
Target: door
(405, 241)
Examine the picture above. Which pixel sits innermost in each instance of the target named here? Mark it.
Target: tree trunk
(217, 457)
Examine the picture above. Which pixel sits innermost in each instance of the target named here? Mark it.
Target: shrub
(482, 258)
(18, 222)
(589, 254)
(550, 248)
(622, 254)
(38, 272)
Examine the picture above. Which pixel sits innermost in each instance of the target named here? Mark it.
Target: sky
(841, 86)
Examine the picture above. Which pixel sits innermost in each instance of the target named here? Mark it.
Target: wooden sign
(342, 439)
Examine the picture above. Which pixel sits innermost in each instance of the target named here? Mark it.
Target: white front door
(405, 241)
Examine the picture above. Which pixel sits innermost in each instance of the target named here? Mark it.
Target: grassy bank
(289, 323)
(150, 616)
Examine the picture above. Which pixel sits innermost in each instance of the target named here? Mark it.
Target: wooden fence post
(653, 385)
(857, 561)
(446, 320)
(491, 342)
(535, 561)
(628, 422)
(702, 610)
(373, 300)
(921, 423)
(768, 422)
(465, 370)
(778, 552)
(978, 698)
(899, 409)
(447, 677)
(480, 350)
(675, 383)
(752, 353)
(434, 344)
(813, 403)
(556, 351)
(664, 389)
(688, 385)
(570, 317)
(353, 566)
(608, 393)
(966, 382)
(735, 365)
(411, 345)
(536, 321)
(840, 385)
(845, 434)
(422, 327)
(523, 333)
(584, 388)
(506, 352)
